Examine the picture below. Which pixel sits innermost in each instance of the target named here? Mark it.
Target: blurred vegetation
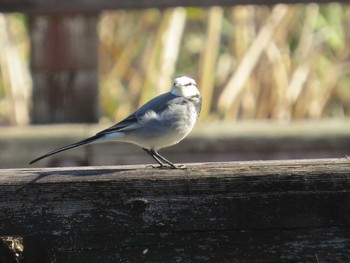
(251, 62)
(15, 82)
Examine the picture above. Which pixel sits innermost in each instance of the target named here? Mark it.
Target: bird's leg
(163, 159)
(153, 156)
(156, 156)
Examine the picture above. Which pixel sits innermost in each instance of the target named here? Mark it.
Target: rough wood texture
(93, 6)
(290, 211)
(64, 68)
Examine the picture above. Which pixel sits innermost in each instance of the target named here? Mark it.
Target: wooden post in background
(64, 68)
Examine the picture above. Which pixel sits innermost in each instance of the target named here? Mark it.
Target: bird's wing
(132, 121)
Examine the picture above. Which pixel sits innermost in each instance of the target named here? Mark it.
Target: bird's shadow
(72, 173)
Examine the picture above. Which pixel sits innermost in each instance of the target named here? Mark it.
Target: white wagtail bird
(161, 122)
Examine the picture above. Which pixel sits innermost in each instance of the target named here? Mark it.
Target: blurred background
(275, 81)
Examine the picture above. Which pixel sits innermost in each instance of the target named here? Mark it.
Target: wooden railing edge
(266, 210)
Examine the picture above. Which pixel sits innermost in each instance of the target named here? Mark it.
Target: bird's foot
(164, 166)
(181, 166)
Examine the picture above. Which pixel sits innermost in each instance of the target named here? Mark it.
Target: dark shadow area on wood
(6, 254)
(72, 172)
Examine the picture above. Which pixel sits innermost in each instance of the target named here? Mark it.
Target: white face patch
(185, 87)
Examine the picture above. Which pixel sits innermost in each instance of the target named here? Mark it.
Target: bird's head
(185, 87)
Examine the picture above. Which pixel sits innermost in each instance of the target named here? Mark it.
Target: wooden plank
(271, 245)
(64, 68)
(207, 143)
(245, 211)
(33, 6)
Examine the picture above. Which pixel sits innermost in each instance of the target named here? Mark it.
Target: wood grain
(264, 211)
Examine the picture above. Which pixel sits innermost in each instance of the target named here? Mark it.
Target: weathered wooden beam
(264, 211)
(244, 140)
(32, 6)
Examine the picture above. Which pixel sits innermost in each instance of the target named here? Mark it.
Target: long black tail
(70, 146)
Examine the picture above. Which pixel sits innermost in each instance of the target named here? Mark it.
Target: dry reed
(251, 62)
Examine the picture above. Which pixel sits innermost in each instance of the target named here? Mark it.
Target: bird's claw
(180, 166)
